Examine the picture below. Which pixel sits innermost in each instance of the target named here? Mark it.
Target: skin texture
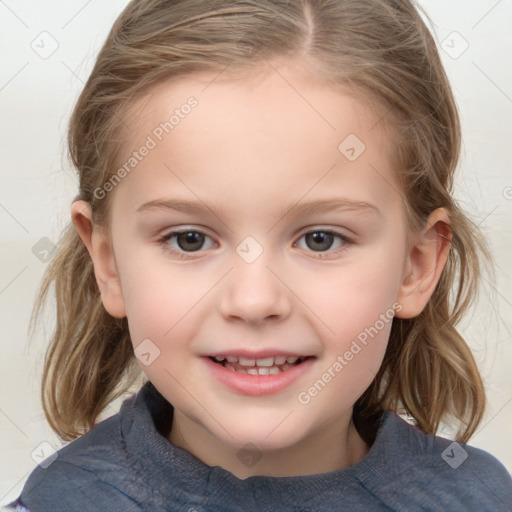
(251, 150)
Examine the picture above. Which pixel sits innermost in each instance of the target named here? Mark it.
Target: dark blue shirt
(125, 464)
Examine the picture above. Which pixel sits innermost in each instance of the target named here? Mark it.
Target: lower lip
(258, 385)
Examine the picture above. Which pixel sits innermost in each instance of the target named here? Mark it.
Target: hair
(380, 50)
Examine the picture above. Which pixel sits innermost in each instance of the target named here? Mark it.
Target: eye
(184, 241)
(322, 241)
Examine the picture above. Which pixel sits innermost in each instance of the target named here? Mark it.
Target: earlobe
(102, 255)
(425, 262)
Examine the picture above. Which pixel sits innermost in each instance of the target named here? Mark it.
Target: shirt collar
(145, 421)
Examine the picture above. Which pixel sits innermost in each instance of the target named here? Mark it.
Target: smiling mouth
(263, 366)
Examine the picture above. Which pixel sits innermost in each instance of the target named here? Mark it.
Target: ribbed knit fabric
(125, 464)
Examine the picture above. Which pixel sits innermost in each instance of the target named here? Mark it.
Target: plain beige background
(47, 49)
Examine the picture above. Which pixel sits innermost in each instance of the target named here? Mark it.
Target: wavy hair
(380, 50)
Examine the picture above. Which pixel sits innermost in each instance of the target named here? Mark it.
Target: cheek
(152, 304)
(157, 308)
(356, 323)
(163, 299)
(356, 306)
(352, 297)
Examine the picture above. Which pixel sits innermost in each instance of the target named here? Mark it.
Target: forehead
(275, 95)
(279, 128)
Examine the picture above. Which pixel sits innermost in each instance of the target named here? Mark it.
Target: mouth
(263, 366)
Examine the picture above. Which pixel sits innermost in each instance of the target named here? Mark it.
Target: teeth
(260, 371)
(266, 362)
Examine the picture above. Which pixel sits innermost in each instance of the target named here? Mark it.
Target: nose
(254, 293)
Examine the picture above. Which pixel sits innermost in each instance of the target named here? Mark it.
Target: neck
(335, 446)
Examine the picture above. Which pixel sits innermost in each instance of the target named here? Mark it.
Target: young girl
(265, 228)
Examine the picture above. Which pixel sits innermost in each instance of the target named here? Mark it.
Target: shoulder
(433, 470)
(15, 506)
(89, 473)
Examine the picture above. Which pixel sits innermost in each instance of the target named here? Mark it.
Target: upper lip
(255, 354)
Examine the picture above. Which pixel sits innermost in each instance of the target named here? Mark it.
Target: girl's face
(293, 243)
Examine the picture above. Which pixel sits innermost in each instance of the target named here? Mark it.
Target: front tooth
(219, 358)
(252, 371)
(274, 370)
(291, 359)
(245, 361)
(263, 371)
(232, 359)
(280, 359)
(268, 361)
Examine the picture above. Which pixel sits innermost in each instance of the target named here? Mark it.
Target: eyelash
(164, 243)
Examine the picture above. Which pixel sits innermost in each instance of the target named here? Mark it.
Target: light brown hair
(378, 49)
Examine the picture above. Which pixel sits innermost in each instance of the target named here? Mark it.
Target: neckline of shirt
(176, 471)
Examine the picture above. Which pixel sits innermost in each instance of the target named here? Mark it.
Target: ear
(102, 255)
(425, 261)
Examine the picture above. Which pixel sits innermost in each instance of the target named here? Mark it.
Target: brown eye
(319, 240)
(186, 241)
(323, 242)
(190, 241)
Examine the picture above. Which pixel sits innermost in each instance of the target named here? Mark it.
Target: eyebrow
(326, 205)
